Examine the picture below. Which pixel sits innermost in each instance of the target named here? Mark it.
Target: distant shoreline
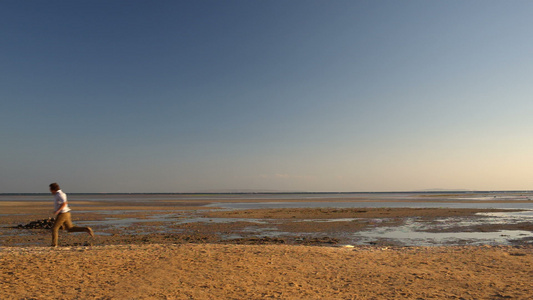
(287, 193)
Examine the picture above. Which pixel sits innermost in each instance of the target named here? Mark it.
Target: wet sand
(179, 221)
(167, 258)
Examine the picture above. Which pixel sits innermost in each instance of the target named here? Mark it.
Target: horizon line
(276, 192)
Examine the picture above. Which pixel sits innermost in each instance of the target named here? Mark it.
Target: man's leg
(71, 228)
(60, 219)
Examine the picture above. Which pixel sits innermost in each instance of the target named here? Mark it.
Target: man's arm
(60, 208)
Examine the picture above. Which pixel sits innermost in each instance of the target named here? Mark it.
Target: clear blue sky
(192, 96)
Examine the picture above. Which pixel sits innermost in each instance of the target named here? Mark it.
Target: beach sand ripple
(217, 271)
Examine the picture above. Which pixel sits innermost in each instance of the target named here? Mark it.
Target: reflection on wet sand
(408, 221)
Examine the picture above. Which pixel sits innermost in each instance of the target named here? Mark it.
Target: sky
(301, 96)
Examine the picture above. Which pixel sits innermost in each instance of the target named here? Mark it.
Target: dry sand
(209, 271)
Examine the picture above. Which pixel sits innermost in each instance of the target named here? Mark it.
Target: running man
(62, 215)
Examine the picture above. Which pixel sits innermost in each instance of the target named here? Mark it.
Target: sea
(444, 199)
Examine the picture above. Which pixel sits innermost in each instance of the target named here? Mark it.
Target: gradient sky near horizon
(196, 96)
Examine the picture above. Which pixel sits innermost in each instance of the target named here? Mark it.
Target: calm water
(331, 204)
(274, 200)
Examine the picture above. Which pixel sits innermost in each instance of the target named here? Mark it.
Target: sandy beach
(179, 250)
(209, 271)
